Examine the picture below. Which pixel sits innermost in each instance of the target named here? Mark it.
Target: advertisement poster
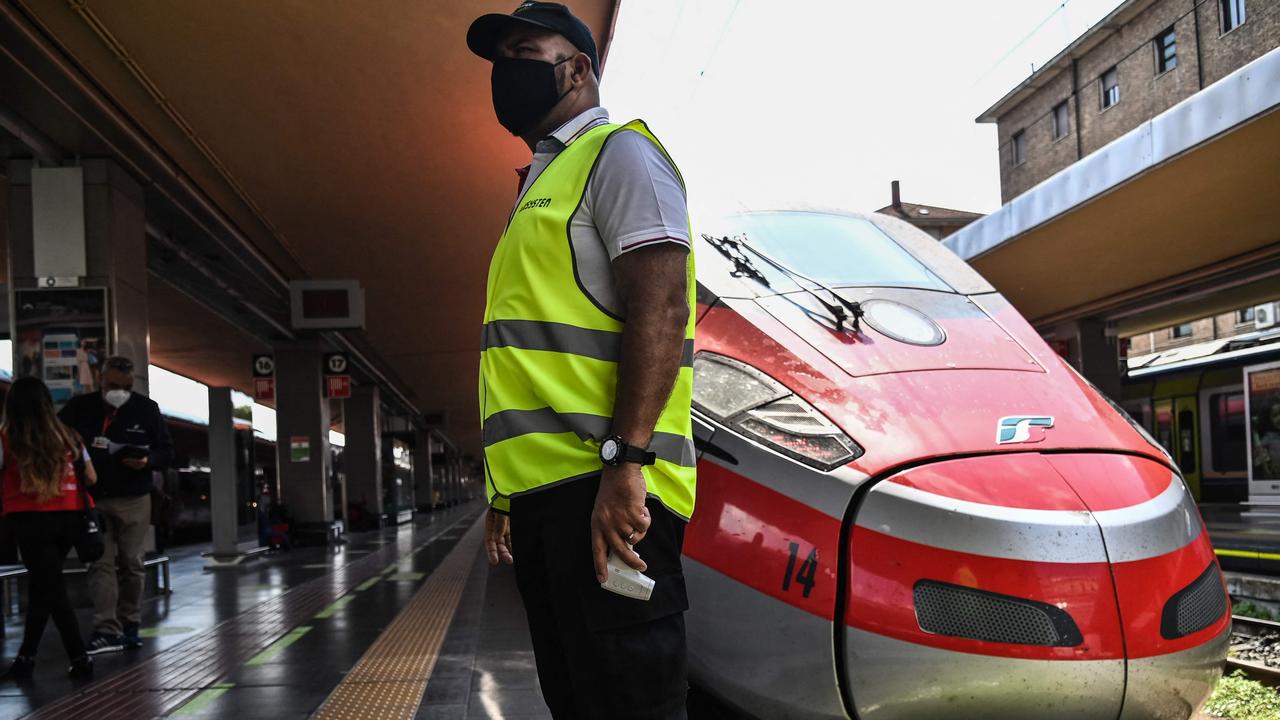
(61, 337)
(1263, 407)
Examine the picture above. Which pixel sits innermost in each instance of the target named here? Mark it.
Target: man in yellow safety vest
(586, 376)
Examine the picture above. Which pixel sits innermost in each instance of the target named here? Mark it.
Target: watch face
(609, 449)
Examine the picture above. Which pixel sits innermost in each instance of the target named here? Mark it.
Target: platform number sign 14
(804, 577)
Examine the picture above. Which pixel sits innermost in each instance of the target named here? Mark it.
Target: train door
(1223, 439)
(1175, 429)
(1187, 431)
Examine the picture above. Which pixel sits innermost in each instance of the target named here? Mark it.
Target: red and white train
(910, 507)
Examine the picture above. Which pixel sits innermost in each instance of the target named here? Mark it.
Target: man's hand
(620, 518)
(134, 463)
(497, 538)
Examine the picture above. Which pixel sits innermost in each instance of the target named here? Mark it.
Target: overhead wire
(1022, 41)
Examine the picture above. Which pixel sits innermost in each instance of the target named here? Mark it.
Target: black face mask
(524, 91)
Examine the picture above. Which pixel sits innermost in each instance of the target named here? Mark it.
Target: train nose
(1172, 601)
(1015, 586)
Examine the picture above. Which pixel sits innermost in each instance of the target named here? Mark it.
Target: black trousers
(44, 539)
(600, 655)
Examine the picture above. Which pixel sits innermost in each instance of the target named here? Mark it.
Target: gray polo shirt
(633, 199)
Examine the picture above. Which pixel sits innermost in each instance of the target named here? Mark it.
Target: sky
(824, 102)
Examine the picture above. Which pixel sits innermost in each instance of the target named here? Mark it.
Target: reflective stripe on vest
(549, 358)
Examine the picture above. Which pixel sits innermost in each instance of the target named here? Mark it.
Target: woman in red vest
(44, 506)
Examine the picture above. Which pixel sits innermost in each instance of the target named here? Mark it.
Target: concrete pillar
(362, 457)
(1094, 352)
(223, 475)
(302, 414)
(422, 486)
(85, 226)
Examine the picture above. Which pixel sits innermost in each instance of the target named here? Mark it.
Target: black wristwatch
(615, 451)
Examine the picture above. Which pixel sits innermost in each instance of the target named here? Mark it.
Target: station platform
(1245, 537)
(406, 622)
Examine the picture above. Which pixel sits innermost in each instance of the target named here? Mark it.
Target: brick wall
(1045, 155)
(1224, 53)
(1223, 325)
(1144, 93)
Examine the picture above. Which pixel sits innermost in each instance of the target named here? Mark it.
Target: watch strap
(638, 455)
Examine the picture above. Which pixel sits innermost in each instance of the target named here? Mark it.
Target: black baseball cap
(482, 36)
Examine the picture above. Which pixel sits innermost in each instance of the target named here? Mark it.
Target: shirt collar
(572, 130)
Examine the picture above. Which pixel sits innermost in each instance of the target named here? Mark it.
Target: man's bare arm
(652, 283)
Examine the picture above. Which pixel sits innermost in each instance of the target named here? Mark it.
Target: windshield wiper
(742, 266)
(842, 310)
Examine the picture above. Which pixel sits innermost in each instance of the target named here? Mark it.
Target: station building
(1140, 230)
(1142, 59)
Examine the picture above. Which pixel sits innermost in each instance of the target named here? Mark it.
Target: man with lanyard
(127, 439)
(586, 376)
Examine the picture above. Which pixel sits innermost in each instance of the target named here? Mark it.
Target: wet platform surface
(407, 622)
(269, 639)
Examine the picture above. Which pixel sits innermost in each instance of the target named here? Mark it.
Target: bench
(9, 575)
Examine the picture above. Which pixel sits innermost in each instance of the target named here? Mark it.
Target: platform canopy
(1178, 219)
(319, 140)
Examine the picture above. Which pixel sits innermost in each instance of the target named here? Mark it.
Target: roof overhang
(1184, 203)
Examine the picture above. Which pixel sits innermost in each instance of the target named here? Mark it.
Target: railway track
(1255, 649)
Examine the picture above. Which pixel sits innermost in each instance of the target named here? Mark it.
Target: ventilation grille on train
(1194, 607)
(945, 609)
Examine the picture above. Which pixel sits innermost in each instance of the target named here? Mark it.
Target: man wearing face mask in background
(586, 376)
(127, 439)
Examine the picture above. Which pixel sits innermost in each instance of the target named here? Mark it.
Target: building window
(1244, 316)
(1110, 88)
(1232, 12)
(1061, 124)
(1180, 331)
(1019, 147)
(1166, 51)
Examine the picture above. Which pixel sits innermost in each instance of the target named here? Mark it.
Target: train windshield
(835, 250)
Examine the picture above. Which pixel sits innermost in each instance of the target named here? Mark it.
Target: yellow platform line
(1251, 554)
(388, 681)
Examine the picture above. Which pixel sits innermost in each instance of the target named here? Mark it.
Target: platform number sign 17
(804, 576)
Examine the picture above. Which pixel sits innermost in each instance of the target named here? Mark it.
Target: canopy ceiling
(1214, 207)
(345, 139)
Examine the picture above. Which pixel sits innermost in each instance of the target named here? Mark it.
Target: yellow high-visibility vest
(549, 363)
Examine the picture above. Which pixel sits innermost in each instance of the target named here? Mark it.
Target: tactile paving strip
(389, 680)
(163, 683)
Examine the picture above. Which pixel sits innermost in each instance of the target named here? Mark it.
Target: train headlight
(760, 407)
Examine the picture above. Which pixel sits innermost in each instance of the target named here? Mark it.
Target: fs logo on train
(1017, 428)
